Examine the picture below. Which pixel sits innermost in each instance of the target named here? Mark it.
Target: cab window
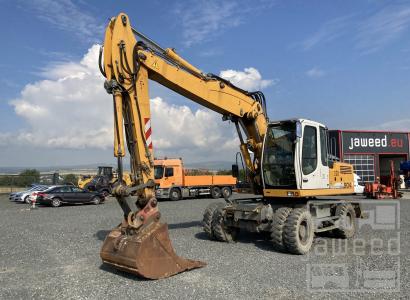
(323, 145)
(309, 150)
(169, 172)
(158, 172)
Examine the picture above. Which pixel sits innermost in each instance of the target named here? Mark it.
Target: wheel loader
(286, 162)
(104, 181)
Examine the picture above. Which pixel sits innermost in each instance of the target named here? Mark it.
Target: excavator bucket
(148, 253)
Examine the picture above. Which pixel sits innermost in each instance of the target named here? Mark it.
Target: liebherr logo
(375, 143)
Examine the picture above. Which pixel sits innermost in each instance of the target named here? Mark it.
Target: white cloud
(211, 52)
(178, 130)
(396, 125)
(67, 16)
(315, 73)
(70, 109)
(383, 27)
(250, 79)
(202, 20)
(367, 31)
(329, 31)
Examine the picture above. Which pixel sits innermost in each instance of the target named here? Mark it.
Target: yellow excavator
(287, 162)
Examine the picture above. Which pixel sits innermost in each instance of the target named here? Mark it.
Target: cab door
(169, 177)
(313, 169)
(324, 167)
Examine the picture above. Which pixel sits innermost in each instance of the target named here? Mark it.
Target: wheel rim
(348, 221)
(303, 232)
(56, 202)
(175, 195)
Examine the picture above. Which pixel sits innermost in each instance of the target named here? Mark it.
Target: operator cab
(105, 171)
(295, 155)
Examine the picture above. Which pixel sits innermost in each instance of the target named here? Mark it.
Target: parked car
(16, 195)
(407, 183)
(58, 195)
(33, 194)
(24, 195)
(12, 195)
(358, 185)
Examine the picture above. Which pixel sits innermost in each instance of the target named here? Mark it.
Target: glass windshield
(278, 158)
(104, 171)
(158, 172)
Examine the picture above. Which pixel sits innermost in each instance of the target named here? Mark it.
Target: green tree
(6, 180)
(224, 172)
(197, 172)
(28, 177)
(70, 178)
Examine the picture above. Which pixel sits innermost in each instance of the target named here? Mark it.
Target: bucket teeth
(149, 253)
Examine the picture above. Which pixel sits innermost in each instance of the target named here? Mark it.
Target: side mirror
(298, 130)
(235, 171)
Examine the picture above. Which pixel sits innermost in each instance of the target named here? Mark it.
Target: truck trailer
(171, 182)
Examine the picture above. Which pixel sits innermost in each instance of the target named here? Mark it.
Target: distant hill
(46, 169)
(210, 165)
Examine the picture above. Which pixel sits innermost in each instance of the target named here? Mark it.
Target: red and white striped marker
(148, 132)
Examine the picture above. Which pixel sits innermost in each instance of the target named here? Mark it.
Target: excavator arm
(141, 244)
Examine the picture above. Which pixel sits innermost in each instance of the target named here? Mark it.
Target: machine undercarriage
(291, 223)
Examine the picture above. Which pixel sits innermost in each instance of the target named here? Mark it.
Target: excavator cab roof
(301, 120)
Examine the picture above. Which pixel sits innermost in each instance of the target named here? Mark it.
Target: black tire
(105, 193)
(88, 187)
(27, 199)
(96, 200)
(216, 192)
(278, 224)
(226, 192)
(347, 225)
(220, 231)
(175, 194)
(56, 202)
(298, 232)
(207, 218)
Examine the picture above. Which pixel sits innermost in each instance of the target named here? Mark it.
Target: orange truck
(172, 183)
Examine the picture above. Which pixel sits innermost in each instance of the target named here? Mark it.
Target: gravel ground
(54, 253)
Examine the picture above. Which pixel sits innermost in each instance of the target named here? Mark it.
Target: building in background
(370, 152)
